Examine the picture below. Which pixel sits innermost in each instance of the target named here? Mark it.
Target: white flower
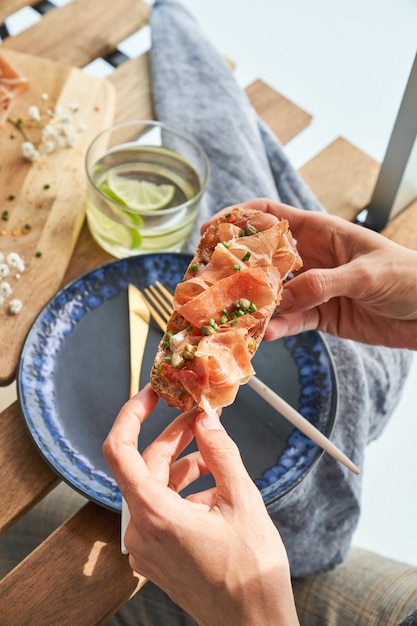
(15, 260)
(73, 107)
(48, 130)
(81, 128)
(29, 151)
(48, 146)
(34, 114)
(5, 289)
(4, 270)
(15, 306)
(44, 97)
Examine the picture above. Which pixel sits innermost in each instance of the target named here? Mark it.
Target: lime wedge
(138, 194)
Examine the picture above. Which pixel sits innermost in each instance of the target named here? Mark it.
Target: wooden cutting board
(45, 198)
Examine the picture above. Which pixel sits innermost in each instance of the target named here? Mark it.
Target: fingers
(222, 458)
(120, 446)
(161, 453)
(186, 470)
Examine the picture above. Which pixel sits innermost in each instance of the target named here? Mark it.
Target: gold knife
(138, 333)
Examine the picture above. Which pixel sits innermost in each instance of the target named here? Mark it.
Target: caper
(250, 229)
(243, 304)
(189, 352)
(207, 330)
(177, 361)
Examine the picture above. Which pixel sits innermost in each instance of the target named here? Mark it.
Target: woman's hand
(354, 283)
(216, 553)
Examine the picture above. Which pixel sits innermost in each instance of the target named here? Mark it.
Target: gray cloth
(194, 89)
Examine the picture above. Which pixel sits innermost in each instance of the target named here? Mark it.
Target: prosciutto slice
(12, 84)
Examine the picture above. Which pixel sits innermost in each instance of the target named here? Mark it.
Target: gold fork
(160, 302)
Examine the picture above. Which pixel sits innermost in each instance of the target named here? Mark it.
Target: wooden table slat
(8, 7)
(25, 476)
(342, 177)
(133, 87)
(284, 117)
(81, 30)
(76, 576)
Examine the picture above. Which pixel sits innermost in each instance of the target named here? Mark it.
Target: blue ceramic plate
(73, 377)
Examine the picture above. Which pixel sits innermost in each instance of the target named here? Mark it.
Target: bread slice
(212, 335)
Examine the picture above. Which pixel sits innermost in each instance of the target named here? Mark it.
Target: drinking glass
(145, 182)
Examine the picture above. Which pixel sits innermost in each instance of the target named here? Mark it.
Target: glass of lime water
(145, 182)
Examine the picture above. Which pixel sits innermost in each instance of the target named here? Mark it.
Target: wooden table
(52, 578)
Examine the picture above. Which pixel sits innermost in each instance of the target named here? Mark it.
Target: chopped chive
(213, 324)
(46, 186)
(169, 334)
(194, 267)
(166, 344)
(11, 196)
(239, 312)
(38, 253)
(224, 319)
(233, 315)
(236, 267)
(189, 329)
(233, 322)
(5, 215)
(225, 312)
(159, 367)
(226, 245)
(247, 256)
(252, 307)
(167, 359)
(228, 215)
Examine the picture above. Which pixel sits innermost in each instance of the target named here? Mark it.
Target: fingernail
(211, 422)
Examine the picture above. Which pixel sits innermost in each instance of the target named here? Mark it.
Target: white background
(347, 64)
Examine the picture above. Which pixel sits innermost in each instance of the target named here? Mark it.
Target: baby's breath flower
(81, 128)
(57, 129)
(15, 306)
(15, 260)
(5, 289)
(34, 113)
(29, 151)
(4, 270)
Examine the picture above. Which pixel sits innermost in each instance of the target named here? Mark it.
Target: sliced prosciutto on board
(12, 84)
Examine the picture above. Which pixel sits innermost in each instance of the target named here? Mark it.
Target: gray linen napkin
(194, 89)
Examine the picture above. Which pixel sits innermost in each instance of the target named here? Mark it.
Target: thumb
(221, 456)
(315, 287)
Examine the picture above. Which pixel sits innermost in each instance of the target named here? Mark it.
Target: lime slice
(139, 194)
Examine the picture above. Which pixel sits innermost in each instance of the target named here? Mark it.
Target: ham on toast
(221, 309)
